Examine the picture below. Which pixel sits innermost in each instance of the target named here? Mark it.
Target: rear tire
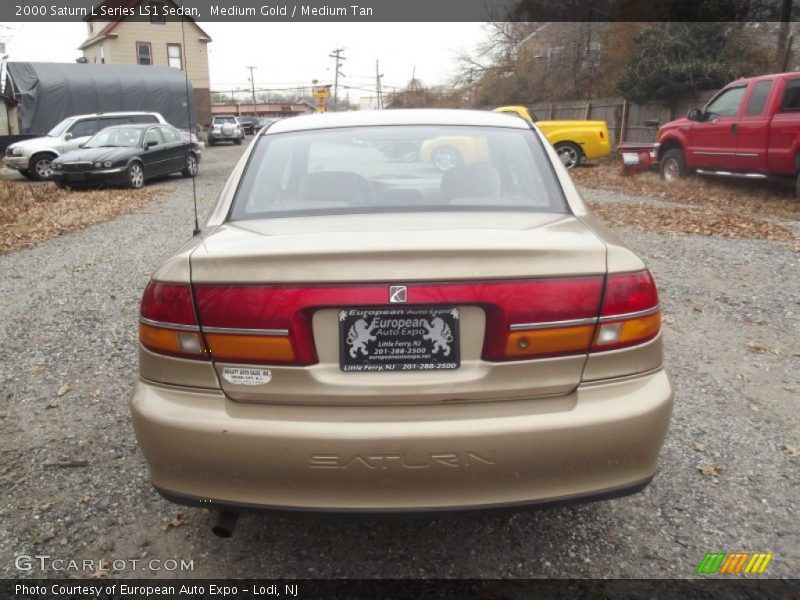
(672, 166)
(190, 170)
(570, 154)
(135, 175)
(238, 141)
(40, 167)
(26, 174)
(446, 158)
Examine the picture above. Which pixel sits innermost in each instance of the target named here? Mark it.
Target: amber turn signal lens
(626, 333)
(250, 348)
(537, 342)
(172, 341)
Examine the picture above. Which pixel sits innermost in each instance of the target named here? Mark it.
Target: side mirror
(67, 137)
(151, 143)
(694, 114)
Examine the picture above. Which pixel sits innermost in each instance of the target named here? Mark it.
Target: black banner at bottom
(395, 589)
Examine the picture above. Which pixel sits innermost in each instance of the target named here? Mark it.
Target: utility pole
(378, 85)
(253, 89)
(337, 54)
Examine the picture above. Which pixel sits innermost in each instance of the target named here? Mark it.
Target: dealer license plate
(401, 339)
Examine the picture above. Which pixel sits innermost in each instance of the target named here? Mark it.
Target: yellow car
(573, 140)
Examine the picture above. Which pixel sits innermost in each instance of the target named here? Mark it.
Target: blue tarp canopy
(49, 92)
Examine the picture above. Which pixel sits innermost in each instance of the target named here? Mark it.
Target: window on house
(144, 53)
(175, 56)
(157, 13)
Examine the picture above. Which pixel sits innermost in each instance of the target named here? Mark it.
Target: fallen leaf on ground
(100, 571)
(179, 520)
(63, 390)
(710, 471)
(757, 348)
(94, 392)
(86, 500)
(32, 213)
(697, 447)
(791, 451)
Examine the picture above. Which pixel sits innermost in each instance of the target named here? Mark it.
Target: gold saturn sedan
(352, 332)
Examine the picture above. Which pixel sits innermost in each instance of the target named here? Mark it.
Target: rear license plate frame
(377, 339)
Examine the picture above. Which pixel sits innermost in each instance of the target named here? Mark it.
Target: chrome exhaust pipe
(226, 523)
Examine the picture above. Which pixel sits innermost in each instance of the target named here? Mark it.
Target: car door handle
(734, 128)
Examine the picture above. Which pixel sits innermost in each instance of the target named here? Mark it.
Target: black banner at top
(402, 10)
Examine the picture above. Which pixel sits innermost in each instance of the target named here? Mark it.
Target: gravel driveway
(68, 318)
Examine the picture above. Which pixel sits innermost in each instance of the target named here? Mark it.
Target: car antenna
(196, 229)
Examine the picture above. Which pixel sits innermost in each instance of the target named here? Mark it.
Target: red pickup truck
(751, 129)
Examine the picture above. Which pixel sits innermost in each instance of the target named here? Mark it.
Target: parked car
(248, 124)
(574, 140)
(127, 154)
(751, 129)
(351, 332)
(33, 157)
(225, 129)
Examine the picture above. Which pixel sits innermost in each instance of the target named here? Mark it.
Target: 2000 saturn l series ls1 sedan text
(353, 332)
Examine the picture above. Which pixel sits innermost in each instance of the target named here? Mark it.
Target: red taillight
(628, 293)
(630, 313)
(168, 303)
(271, 324)
(280, 315)
(167, 323)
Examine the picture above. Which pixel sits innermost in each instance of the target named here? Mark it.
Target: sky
(291, 54)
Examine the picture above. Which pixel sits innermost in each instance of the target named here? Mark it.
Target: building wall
(122, 49)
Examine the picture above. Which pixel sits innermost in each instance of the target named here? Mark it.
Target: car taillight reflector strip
(235, 310)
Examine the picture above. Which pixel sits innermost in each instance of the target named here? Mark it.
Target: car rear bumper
(601, 440)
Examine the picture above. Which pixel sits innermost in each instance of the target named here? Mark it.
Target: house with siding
(156, 40)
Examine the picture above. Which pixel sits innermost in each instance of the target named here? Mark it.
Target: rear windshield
(397, 169)
(224, 119)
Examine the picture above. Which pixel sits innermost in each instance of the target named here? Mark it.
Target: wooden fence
(627, 121)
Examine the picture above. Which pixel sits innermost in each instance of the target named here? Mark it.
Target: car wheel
(445, 158)
(190, 170)
(40, 167)
(135, 175)
(673, 165)
(238, 141)
(26, 174)
(570, 154)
